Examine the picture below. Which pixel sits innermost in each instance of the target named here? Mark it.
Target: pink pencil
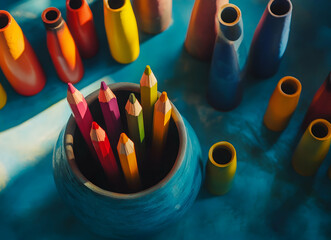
(105, 154)
(111, 114)
(81, 113)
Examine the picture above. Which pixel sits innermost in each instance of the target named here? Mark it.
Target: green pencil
(134, 116)
(148, 92)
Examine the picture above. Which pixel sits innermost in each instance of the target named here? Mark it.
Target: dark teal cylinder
(225, 87)
(127, 215)
(270, 39)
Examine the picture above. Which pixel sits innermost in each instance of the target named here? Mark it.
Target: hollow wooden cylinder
(122, 31)
(62, 47)
(81, 24)
(18, 60)
(221, 168)
(225, 87)
(270, 39)
(282, 103)
(153, 16)
(203, 28)
(312, 148)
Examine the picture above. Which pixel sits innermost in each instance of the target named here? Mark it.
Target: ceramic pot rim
(276, 15)
(324, 123)
(80, 177)
(105, 2)
(3, 12)
(229, 5)
(295, 81)
(74, 9)
(224, 145)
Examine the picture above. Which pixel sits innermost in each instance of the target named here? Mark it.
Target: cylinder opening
(289, 86)
(319, 130)
(4, 20)
(222, 155)
(52, 15)
(116, 4)
(75, 4)
(280, 7)
(229, 15)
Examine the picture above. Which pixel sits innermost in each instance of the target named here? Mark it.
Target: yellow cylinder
(221, 168)
(312, 148)
(282, 103)
(3, 97)
(121, 29)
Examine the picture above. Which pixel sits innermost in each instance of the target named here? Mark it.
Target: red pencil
(105, 154)
(111, 114)
(81, 113)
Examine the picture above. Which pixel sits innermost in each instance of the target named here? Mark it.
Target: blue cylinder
(123, 215)
(270, 39)
(225, 87)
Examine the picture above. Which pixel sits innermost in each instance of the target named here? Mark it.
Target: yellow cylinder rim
(229, 5)
(7, 14)
(293, 80)
(323, 122)
(225, 145)
(112, 9)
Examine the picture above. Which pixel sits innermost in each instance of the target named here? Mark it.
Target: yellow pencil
(161, 119)
(148, 92)
(127, 155)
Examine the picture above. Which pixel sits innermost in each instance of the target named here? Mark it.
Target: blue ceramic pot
(270, 39)
(122, 215)
(225, 86)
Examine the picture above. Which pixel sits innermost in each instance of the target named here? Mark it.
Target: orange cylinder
(18, 61)
(282, 103)
(81, 24)
(62, 47)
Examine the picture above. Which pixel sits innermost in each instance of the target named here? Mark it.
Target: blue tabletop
(268, 199)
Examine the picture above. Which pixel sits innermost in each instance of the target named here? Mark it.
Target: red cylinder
(62, 47)
(320, 107)
(18, 61)
(81, 25)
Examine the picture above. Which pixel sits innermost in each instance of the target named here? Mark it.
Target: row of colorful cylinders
(68, 43)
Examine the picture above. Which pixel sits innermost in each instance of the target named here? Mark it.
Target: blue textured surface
(268, 199)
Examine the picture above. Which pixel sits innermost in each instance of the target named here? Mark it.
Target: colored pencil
(148, 92)
(105, 154)
(128, 159)
(134, 116)
(111, 114)
(81, 113)
(161, 120)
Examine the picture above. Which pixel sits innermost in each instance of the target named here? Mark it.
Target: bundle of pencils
(118, 152)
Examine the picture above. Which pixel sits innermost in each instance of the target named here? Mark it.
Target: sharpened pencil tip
(95, 125)
(71, 88)
(163, 97)
(132, 98)
(123, 138)
(104, 85)
(148, 70)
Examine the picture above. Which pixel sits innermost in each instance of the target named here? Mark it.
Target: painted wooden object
(62, 47)
(18, 60)
(81, 24)
(111, 114)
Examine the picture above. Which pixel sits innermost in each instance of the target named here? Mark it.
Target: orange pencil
(105, 154)
(128, 159)
(161, 120)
